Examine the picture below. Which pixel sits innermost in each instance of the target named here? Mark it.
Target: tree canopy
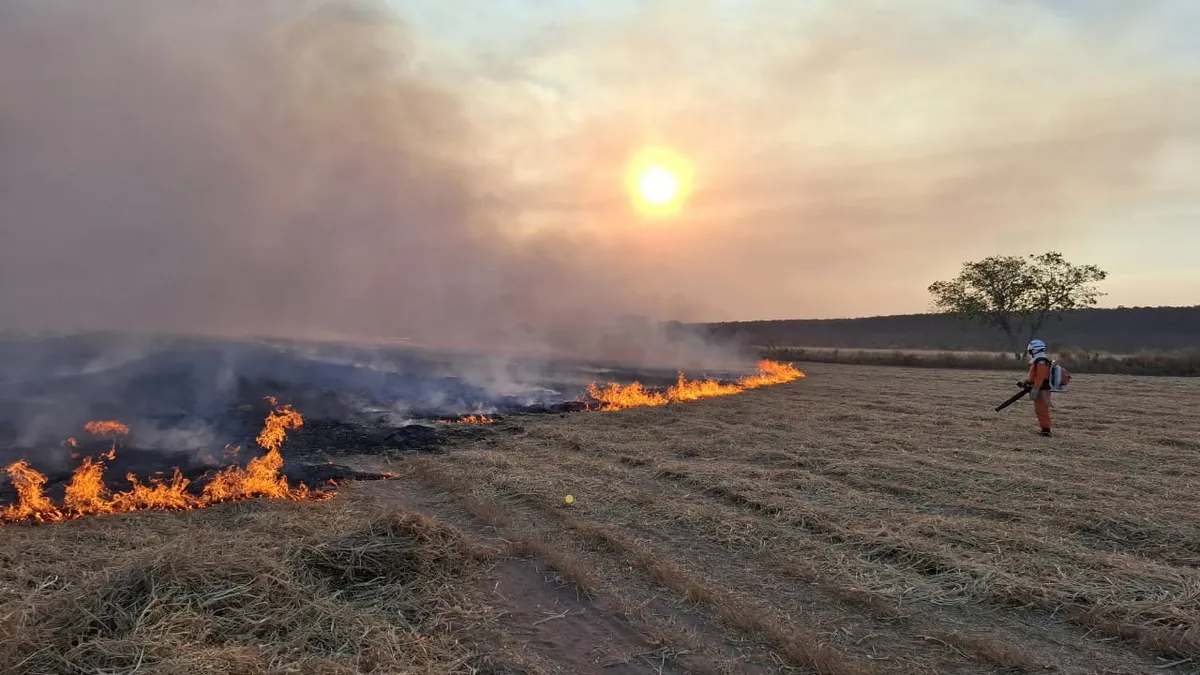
(1016, 294)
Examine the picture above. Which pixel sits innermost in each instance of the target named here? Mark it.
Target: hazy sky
(453, 169)
(874, 145)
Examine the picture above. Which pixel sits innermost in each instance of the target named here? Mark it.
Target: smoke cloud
(853, 152)
(325, 170)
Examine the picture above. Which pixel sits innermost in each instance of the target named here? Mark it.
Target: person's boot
(1044, 432)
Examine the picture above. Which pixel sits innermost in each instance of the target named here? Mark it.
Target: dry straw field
(1173, 362)
(861, 520)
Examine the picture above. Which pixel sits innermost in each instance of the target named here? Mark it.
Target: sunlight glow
(658, 185)
(658, 181)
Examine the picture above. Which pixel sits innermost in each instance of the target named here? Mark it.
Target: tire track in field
(1004, 591)
(838, 599)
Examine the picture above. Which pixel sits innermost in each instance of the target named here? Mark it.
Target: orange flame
(619, 397)
(770, 373)
(31, 503)
(278, 422)
(697, 389)
(159, 494)
(86, 493)
(470, 419)
(106, 427)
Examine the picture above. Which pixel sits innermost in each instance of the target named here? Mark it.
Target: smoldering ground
(197, 404)
(194, 396)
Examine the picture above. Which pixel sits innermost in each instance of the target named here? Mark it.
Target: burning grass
(106, 428)
(87, 494)
(842, 528)
(616, 396)
(470, 419)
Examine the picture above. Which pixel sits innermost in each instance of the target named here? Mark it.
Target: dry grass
(1170, 363)
(862, 520)
(885, 519)
(268, 588)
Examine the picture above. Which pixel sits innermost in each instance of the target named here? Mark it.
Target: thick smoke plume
(323, 169)
(282, 169)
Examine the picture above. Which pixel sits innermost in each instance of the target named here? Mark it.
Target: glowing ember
(86, 493)
(470, 419)
(619, 397)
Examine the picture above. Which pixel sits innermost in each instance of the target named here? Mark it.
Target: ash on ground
(189, 401)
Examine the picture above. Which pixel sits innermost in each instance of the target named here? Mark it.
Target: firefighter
(1038, 382)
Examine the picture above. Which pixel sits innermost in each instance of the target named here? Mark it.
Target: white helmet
(1036, 347)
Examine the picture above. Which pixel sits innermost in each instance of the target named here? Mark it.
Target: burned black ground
(196, 405)
(311, 453)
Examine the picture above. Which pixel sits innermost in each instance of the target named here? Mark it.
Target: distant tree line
(1124, 330)
(994, 304)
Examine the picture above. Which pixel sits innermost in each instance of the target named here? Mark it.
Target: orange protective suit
(1039, 379)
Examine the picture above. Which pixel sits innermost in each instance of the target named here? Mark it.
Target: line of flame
(616, 396)
(86, 494)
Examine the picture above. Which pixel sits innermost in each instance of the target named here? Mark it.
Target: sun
(658, 185)
(659, 181)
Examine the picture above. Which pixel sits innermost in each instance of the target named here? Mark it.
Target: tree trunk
(1036, 325)
(1014, 344)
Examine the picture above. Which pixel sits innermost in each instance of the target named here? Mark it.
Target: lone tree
(1017, 294)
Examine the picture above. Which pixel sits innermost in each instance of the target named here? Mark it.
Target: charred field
(196, 405)
(861, 520)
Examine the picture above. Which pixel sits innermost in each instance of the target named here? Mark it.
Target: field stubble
(862, 520)
(1171, 363)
